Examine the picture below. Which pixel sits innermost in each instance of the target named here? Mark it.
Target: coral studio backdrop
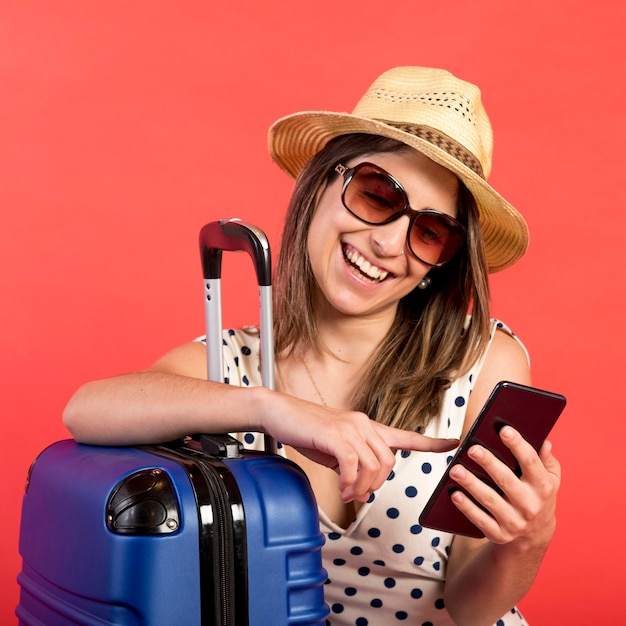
(125, 126)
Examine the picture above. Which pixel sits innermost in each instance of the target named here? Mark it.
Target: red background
(126, 125)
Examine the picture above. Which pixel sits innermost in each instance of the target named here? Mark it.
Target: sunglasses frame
(348, 174)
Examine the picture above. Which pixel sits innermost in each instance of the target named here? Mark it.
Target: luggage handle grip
(235, 235)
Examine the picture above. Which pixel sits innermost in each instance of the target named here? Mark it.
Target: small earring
(425, 282)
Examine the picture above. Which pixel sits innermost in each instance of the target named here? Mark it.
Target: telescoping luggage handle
(235, 235)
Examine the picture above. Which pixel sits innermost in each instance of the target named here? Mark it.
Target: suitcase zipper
(219, 536)
(222, 542)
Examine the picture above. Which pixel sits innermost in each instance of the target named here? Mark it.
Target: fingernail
(457, 497)
(458, 472)
(476, 452)
(507, 432)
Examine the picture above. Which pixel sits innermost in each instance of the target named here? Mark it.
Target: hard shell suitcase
(193, 532)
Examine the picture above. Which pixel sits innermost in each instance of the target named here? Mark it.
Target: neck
(350, 338)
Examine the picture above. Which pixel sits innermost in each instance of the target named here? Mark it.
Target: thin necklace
(317, 389)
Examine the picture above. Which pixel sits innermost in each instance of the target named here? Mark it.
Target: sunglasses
(375, 197)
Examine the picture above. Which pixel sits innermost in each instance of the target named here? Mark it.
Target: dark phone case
(531, 411)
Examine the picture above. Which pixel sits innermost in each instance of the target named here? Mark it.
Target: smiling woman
(389, 237)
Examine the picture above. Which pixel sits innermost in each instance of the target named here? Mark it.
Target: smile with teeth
(363, 266)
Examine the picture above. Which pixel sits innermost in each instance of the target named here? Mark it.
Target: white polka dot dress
(384, 568)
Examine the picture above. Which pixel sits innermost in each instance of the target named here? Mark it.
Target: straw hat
(437, 114)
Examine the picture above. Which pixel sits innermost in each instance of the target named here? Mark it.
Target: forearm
(152, 406)
(491, 580)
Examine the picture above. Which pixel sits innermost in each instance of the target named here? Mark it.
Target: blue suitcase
(197, 531)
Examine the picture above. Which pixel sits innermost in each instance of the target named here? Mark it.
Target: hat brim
(294, 139)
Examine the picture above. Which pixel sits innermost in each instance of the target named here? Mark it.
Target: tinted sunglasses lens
(434, 238)
(373, 196)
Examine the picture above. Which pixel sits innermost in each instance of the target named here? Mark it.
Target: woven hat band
(441, 141)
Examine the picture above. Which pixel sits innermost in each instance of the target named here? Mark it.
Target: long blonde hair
(430, 342)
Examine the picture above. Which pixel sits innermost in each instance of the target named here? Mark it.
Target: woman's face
(363, 270)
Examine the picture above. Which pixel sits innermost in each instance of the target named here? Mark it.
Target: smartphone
(532, 412)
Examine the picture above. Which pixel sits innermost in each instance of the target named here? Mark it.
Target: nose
(389, 240)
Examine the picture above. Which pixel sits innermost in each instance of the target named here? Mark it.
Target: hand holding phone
(531, 411)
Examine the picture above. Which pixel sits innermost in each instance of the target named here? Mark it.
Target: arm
(164, 402)
(486, 578)
(173, 398)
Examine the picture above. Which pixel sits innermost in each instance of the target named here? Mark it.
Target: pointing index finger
(407, 440)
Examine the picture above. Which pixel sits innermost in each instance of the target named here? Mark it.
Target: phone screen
(531, 411)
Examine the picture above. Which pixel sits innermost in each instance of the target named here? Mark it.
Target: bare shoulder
(189, 359)
(506, 354)
(506, 359)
